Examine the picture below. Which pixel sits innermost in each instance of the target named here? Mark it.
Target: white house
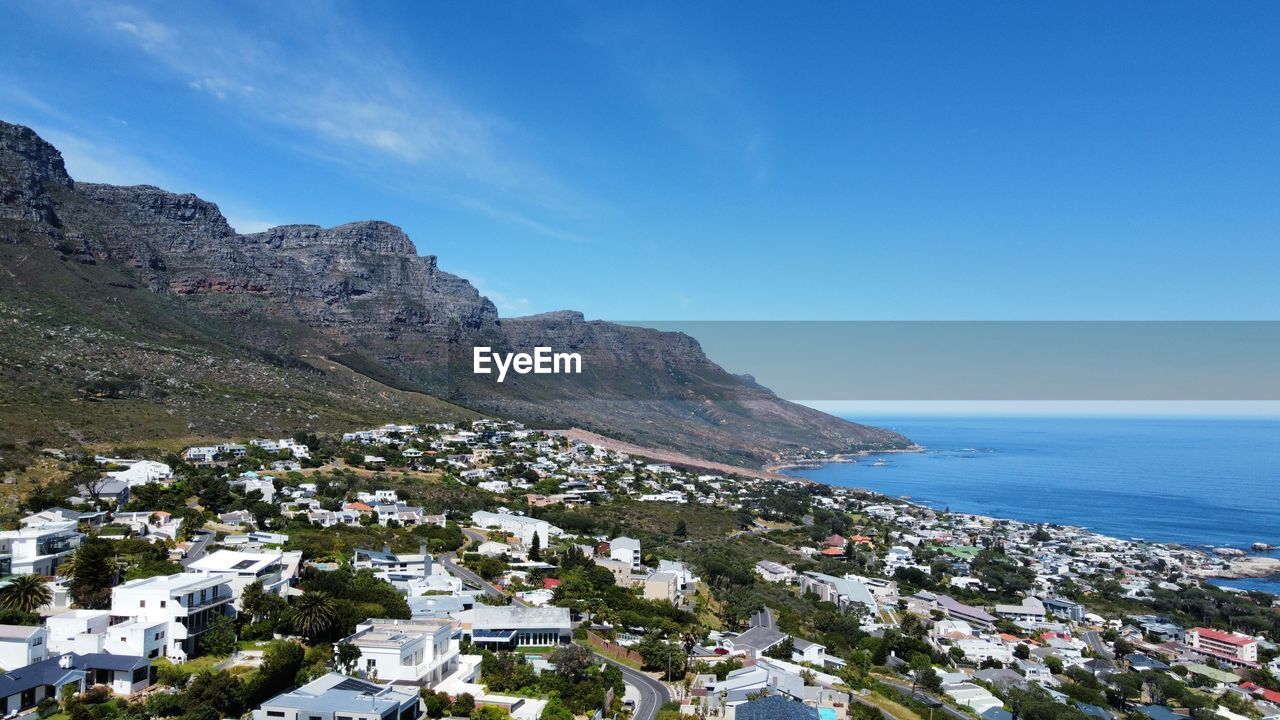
(242, 569)
(775, 572)
(137, 472)
(22, 645)
(521, 526)
(187, 603)
(625, 550)
(414, 652)
(38, 549)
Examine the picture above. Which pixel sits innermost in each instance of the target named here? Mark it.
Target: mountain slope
(345, 322)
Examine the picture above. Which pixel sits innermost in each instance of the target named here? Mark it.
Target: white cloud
(91, 160)
(364, 106)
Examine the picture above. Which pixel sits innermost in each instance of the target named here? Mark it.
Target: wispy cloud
(693, 90)
(340, 97)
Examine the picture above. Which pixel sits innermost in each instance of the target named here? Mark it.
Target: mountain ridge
(360, 295)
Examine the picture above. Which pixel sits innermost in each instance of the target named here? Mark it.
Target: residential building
(511, 626)
(242, 569)
(412, 652)
(1230, 647)
(521, 526)
(775, 572)
(25, 687)
(626, 550)
(187, 603)
(22, 645)
(338, 697)
(38, 549)
(1031, 610)
(845, 592)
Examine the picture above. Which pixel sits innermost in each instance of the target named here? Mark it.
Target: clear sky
(737, 160)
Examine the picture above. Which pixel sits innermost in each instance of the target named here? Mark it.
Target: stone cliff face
(366, 299)
(30, 169)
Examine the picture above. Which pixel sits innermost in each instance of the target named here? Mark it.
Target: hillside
(133, 311)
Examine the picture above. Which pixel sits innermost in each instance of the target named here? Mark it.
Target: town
(490, 570)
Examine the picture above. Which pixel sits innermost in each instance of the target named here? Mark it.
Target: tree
(920, 664)
(556, 710)
(219, 639)
(93, 574)
(782, 650)
(571, 661)
(1123, 649)
(682, 530)
(437, 703)
(535, 548)
(25, 593)
(1021, 651)
(463, 704)
(313, 613)
(346, 657)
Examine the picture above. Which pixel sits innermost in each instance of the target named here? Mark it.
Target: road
(199, 544)
(925, 697)
(764, 618)
(653, 694)
(1099, 646)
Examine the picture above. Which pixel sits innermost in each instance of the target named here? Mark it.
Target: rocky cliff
(358, 297)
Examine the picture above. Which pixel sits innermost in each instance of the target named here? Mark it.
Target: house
(775, 707)
(242, 569)
(511, 626)
(1230, 647)
(754, 642)
(845, 592)
(775, 572)
(153, 525)
(137, 472)
(398, 512)
(625, 550)
(521, 526)
(1031, 610)
(406, 652)
(25, 687)
(22, 645)
(955, 609)
(187, 603)
(1064, 609)
(333, 696)
(39, 549)
(56, 515)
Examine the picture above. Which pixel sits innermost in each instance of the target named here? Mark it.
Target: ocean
(1193, 481)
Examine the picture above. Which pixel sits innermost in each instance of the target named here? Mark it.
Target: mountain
(137, 312)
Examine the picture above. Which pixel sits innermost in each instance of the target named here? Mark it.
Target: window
(275, 713)
(142, 603)
(370, 663)
(163, 603)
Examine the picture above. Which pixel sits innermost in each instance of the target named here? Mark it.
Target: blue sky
(664, 161)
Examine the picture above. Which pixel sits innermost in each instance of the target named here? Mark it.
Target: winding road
(653, 694)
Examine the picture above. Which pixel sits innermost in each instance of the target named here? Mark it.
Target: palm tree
(25, 593)
(313, 613)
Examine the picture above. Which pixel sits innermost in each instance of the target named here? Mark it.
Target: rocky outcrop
(360, 295)
(30, 170)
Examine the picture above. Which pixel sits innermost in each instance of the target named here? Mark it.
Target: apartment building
(186, 604)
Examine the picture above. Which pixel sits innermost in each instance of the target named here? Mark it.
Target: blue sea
(1193, 481)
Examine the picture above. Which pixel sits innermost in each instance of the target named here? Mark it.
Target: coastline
(835, 459)
(1240, 564)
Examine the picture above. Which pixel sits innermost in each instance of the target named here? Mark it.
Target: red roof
(1224, 637)
(550, 583)
(833, 551)
(834, 541)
